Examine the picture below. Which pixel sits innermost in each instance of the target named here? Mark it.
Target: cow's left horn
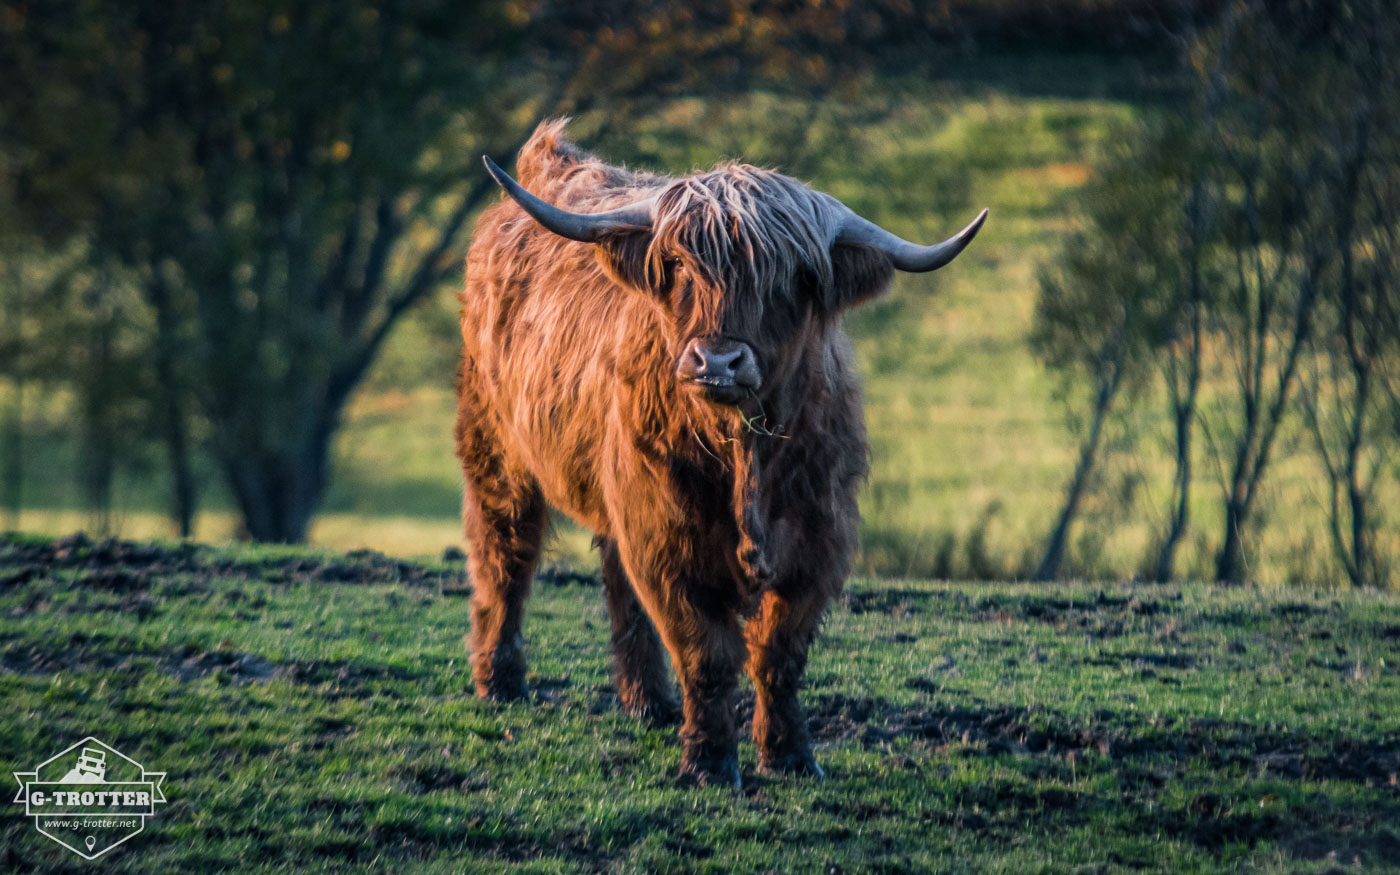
(584, 227)
(906, 256)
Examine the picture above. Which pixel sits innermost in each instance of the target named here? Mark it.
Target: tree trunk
(278, 489)
(1261, 423)
(14, 459)
(276, 494)
(1358, 565)
(1184, 419)
(1229, 563)
(14, 441)
(1360, 550)
(183, 496)
(99, 441)
(1055, 546)
(1164, 569)
(183, 492)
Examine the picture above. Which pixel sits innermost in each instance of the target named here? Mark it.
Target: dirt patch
(116, 580)
(994, 730)
(555, 576)
(91, 654)
(1341, 847)
(123, 566)
(985, 729)
(1146, 660)
(19, 576)
(1298, 610)
(424, 776)
(1101, 615)
(82, 654)
(903, 602)
(242, 667)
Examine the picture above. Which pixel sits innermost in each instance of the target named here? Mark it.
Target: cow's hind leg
(779, 636)
(504, 517)
(504, 529)
(639, 660)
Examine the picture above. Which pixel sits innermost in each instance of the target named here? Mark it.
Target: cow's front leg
(701, 631)
(779, 636)
(708, 657)
(709, 670)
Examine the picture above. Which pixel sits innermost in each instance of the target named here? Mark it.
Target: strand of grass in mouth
(758, 423)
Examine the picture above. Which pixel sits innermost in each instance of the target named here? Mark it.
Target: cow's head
(745, 262)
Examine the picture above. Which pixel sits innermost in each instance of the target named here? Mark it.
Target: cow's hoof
(792, 763)
(499, 675)
(499, 688)
(711, 772)
(657, 713)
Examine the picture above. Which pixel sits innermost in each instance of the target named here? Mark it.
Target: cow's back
(542, 324)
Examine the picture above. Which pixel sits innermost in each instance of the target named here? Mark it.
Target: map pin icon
(90, 841)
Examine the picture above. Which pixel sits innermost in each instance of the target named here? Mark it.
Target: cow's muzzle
(725, 371)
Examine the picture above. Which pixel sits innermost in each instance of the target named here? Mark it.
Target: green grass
(312, 712)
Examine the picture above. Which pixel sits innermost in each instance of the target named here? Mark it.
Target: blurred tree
(1102, 313)
(1301, 147)
(1265, 317)
(1259, 221)
(1146, 270)
(97, 340)
(1350, 386)
(15, 369)
(284, 181)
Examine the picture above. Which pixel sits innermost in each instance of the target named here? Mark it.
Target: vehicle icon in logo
(90, 797)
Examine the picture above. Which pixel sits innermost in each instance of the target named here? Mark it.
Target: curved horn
(906, 256)
(584, 227)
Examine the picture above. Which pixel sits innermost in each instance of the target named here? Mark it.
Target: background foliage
(231, 234)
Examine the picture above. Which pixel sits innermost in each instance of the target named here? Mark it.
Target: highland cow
(662, 359)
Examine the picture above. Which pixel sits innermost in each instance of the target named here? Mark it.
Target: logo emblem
(90, 797)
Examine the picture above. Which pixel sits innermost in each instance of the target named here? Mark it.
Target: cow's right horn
(584, 227)
(906, 256)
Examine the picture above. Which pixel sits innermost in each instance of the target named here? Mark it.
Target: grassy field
(971, 444)
(312, 712)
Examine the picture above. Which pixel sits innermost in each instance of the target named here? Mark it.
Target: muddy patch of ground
(98, 653)
(126, 568)
(1101, 615)
(982, 729)
(123, 567)
(899, 602)
(995, 729)
(1143, 661)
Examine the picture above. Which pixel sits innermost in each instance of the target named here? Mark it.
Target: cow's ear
(623, 255)
(859, 273)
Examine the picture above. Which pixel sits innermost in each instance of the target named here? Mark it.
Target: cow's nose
(710, 363)
(726, 369)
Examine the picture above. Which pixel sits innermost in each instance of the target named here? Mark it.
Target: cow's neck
(749, 445)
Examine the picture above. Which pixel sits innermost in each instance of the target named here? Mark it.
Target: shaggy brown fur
(707, 514)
